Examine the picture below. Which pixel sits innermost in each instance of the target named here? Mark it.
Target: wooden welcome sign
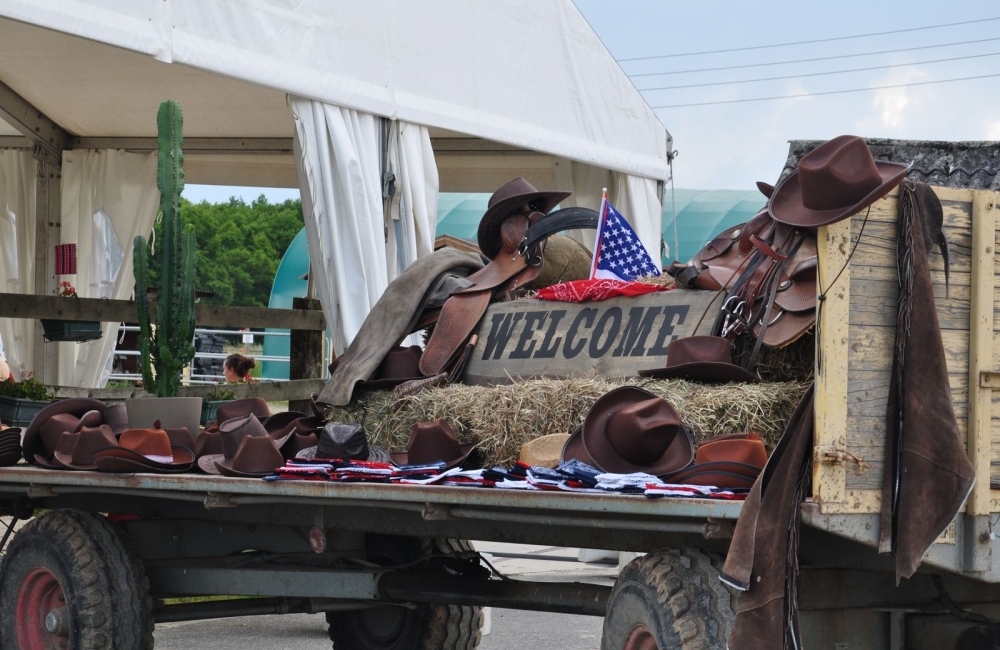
(610, 338)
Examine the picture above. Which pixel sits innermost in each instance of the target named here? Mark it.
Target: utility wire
(816, 40)
(819, 58)
(828, 92)
(819, 74)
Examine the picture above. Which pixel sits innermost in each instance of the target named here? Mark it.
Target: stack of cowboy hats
(10, 446)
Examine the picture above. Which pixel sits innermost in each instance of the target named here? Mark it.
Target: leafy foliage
(239, 247)
(27, 388)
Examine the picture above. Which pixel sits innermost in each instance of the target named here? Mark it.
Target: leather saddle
(768, 270)
(512, 268)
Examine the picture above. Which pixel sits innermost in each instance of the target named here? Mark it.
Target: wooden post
(305, 353)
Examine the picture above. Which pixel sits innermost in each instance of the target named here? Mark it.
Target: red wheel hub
(640, 638)
(40, 594)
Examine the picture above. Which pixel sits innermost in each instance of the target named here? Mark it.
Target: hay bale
(499, 419)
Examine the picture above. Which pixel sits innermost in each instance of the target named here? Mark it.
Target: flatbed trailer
(391, 567)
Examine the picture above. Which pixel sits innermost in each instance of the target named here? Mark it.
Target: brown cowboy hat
(574, 449)
(344, 442)
(243, 407)
(431, 442)
(728, 461)
(66, 443)
(257, 456)
(81, 456)
(233, 431)
(701, 358)
(116, 417)
(399, 365)
(209, 442)
(144, 450)
(73, 408)
(632, 430)
(506, 201)
(835, 180)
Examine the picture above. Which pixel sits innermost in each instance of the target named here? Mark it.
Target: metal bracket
(988, 379)
(219, 500)
(432, 513)
(837, 456)
(719, 528)
(36, 491)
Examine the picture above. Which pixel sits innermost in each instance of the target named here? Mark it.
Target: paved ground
(508, 629)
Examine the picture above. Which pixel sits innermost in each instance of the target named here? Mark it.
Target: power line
(817, 40)
(819, 74)
(828, 92)
(819, 58)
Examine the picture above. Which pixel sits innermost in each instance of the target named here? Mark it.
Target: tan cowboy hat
(632, 430)
(835, 180)
(701, 358)
(506, 201)
(545, 451)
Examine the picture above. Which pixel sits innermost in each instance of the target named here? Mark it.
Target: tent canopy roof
(527, 74)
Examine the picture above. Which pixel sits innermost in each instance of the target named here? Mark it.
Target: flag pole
(600, 230)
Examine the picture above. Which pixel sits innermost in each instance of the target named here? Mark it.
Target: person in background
(4, 370)
(237, 367)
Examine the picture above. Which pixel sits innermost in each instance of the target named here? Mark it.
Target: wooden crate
(856, 333)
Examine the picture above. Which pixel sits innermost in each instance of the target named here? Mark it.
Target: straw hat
(545, 451)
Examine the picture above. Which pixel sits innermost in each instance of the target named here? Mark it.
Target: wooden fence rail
(15, 305)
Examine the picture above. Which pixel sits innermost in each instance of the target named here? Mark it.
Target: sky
(730, 146)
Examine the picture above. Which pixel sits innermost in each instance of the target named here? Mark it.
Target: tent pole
(673, 205)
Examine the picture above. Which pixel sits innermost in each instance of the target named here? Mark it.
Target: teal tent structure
(701, 214)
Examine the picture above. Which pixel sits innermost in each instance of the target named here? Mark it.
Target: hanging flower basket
(76, 331)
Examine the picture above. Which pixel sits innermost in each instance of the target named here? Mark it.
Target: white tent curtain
(108, 197)
(411, 214)
(636, 198)
(338, 151)
(639, 199)
(17, 253)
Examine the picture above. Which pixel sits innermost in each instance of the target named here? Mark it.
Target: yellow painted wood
(832, 340)
(984, 211)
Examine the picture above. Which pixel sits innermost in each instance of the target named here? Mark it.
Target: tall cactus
(164, 353)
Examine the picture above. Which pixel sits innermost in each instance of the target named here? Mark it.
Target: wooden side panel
(873, 290)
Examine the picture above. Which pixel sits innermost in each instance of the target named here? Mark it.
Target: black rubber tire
(422, 627)
(677, 595)
(107, 601)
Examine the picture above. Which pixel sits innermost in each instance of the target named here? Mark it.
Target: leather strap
(558, 221)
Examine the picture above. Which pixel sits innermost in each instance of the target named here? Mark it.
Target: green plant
(27, 388)
(165, 351)
(221, 395)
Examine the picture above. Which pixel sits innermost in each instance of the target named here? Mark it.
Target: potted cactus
(166, 348)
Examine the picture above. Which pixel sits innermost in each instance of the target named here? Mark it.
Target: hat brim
(376, 454)
(787, 207)
(75, 406)
(183, 458)
(746, 470)
(705, 371)
(6, 460)
(574, 449)
(488, 235)
(678, 454)
(48, 463)
(402, 457)
(207, 463)
(66, 460)
(227, 470)
(122, 465)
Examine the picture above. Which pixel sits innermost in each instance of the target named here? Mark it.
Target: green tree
(240, 246)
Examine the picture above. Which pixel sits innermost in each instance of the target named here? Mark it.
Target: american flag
(618, 253)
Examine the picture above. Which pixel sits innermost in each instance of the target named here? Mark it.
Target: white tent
(455, 95)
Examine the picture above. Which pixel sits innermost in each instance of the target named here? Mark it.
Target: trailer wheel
(422, 627)
(669, 600)
(68, 582)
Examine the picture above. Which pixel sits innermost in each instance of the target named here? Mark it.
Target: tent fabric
(18, 176)
(411, 213)
(525, 73)
(702, 214)
(108, 198)
(338, 152)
